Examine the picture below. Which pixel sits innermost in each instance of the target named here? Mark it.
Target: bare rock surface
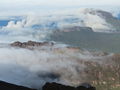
(31, 44)
(56, 86)
(47, 86)
(8, 86)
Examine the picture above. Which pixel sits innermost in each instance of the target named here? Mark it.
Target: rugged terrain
(47, 86)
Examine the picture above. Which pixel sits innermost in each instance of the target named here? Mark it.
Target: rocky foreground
(8, 86)
(47, 86)
(56, 86)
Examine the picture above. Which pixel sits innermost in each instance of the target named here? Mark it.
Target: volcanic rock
(8, 86)
(56, 86)
(31, 44)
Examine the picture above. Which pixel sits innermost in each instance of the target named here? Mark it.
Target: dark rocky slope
(56, 86)
(47, 86)
(8, 86)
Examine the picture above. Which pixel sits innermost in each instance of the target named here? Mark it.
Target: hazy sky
(10, 6)
(60, 2)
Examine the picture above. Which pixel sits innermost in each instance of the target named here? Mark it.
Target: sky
(20, 6)
(59, 2)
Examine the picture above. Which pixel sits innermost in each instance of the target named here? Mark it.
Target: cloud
(32, 68)
(80, 17)
(39, 27)
(97, 23)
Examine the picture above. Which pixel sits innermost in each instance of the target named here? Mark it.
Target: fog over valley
(63, 41)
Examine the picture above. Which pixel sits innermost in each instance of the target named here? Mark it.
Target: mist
(32, 68)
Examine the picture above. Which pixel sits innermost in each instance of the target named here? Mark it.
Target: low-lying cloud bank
(83, 17)
(39, 27)
(32, 68)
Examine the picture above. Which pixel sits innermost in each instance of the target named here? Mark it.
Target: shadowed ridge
(8, 86)
(56, 86)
